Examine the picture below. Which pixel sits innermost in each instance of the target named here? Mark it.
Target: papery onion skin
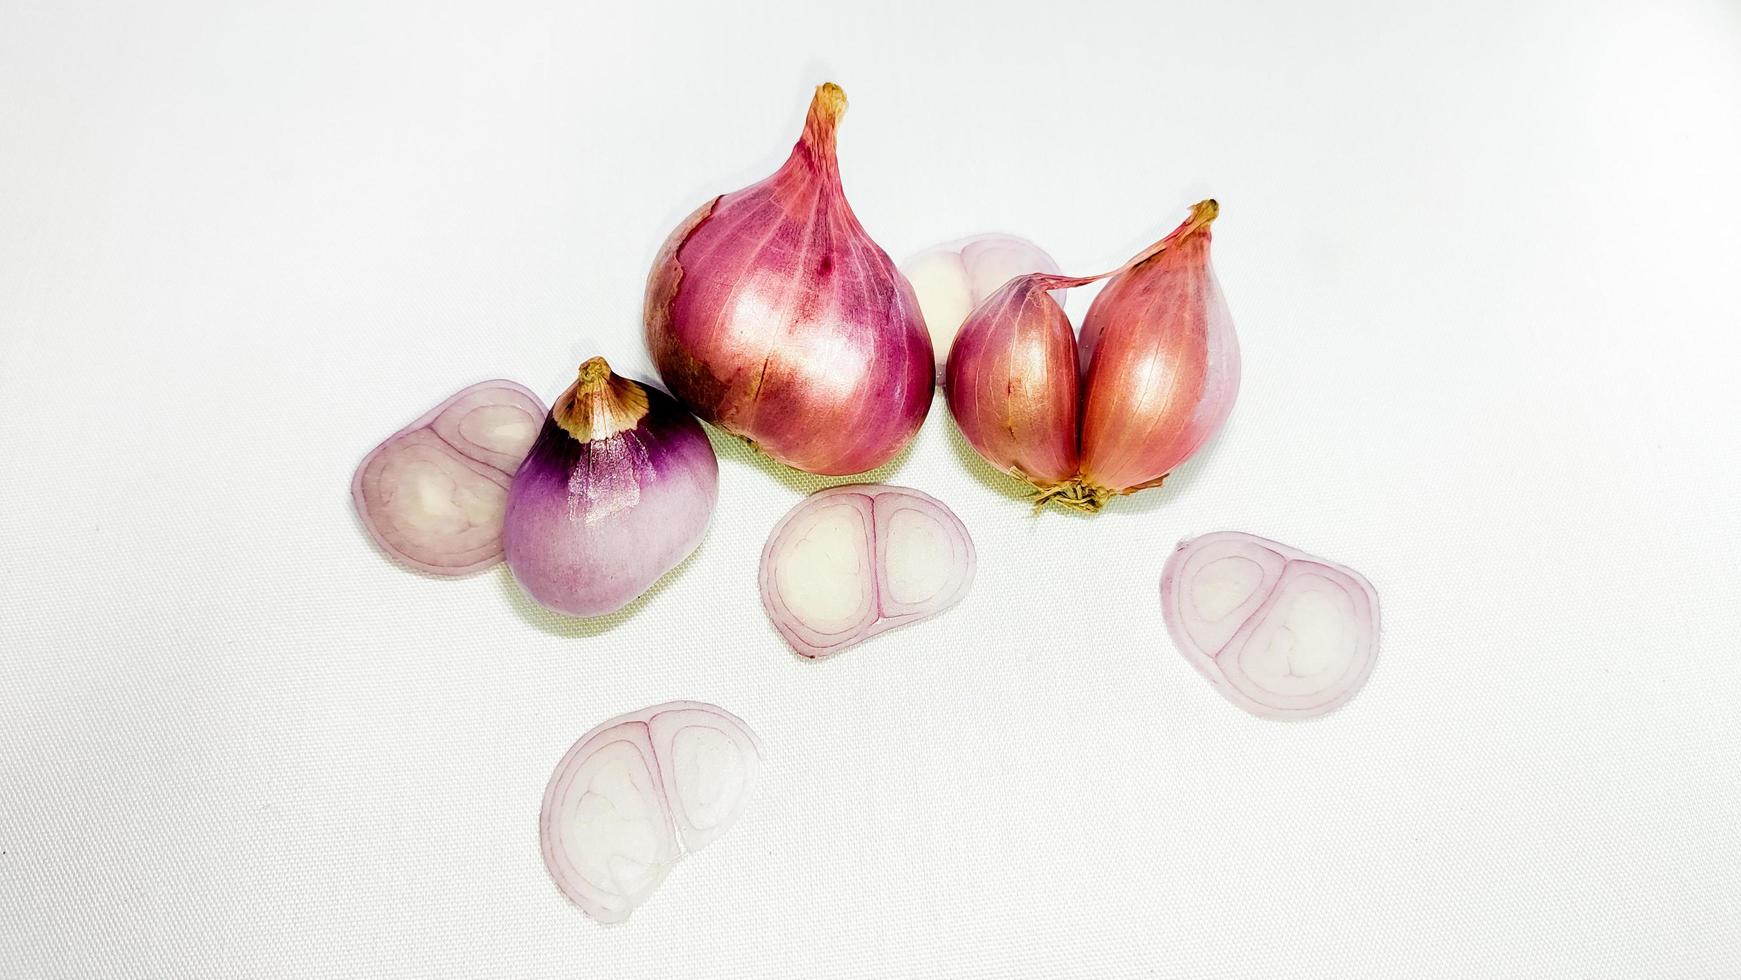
(1012, 384)
(617, 489)
(468, 446)
(772, 314)
(650, 767)
(876, 518)
(1162, 363)
(954, 278)
(1238, 644)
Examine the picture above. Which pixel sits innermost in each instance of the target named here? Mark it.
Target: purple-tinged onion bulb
(850, 562)
(1278, 632)
(432, 495)
(617, 489)
(953, 278)
(639, 792)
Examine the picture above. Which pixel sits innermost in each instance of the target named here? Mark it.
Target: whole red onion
(1159, 369)
(772, 314)
(616, 490)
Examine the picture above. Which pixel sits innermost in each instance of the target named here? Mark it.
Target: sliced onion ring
(1278, 632)
(637, 793)
(433, 494)
(850, 562)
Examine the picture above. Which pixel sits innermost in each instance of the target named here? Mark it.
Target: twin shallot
(1152, 378)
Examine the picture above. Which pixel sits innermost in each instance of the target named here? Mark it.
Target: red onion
(432, 495)
(1161, 371)
(617, 489)
(637, 793)
(1278, 632)
(953, 278)
(850, 562)
(771, 314)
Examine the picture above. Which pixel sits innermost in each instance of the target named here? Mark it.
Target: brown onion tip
(600, 404)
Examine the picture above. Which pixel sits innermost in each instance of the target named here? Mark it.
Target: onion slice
(637, 793)
(850, 562)
(433, 494)
(1278, 632)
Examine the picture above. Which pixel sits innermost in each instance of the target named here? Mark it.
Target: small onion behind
(850, 562)
(953, 278)
(433, 494)
(637, 793)
(1278, 632)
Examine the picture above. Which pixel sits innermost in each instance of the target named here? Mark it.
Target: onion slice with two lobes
(637, 793)
(1278, 632)
(433, 494)
(850, 562)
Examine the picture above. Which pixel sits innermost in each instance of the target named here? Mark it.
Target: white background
(1483, 259)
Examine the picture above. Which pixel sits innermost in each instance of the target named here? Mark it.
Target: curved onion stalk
(1279, 632)
(637, 793)
(772, 314)
(432, 495)
(953, 278)
(617, 489)
(1162, 369)
(850, 562)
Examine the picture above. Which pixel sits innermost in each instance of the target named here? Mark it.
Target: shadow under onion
(572, 628)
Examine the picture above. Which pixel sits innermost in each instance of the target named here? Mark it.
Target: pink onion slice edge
(636, 794)
(432, 494)
(850, 562)
(1279, 632)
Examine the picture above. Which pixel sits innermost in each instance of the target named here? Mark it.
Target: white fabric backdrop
(1483, 257)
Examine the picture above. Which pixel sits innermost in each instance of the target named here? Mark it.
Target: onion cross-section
(1278, 632)
(637, 793)
(850, 562)
(432, 495)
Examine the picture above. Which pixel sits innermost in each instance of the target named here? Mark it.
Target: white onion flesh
(637, 793)
(1280, 633)
(850, 562)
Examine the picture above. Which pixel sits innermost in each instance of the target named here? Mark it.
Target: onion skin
(772, 314)
(1012, 385)
(616, 490)
(432, 494)
(1162, 364)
